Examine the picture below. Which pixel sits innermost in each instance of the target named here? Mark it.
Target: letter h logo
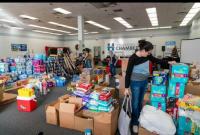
(111, 47)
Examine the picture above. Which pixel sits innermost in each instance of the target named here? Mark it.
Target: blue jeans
(112, 69)
(138, 89)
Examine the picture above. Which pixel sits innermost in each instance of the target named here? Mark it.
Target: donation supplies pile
(167, 96)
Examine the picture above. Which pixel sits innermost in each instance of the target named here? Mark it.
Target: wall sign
(19, 47)
(121, 47)
(170, 43)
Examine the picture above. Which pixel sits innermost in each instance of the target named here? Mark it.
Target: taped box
(52, 113)
(67, 112)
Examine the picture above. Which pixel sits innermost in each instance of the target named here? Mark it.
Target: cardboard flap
(64, 97)
(67, 107)
(54, 104)
(75, 100)
(50, 109)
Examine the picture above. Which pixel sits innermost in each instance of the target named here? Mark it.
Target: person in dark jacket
(136, 77)
(113, 63)
(87, 61)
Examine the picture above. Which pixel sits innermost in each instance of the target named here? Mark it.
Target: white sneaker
(135, 129)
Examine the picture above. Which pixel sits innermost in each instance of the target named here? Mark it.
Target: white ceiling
(169, 14)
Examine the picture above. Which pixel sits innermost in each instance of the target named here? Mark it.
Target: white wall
(195, 29)
(157, 37)
(34, 41)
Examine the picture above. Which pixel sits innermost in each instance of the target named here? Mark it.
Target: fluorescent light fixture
(98, 25)
(61, 10)
(62, 25)
(95, 32)
(36, 26)
(18, 28)
(28, 17)
(46, 32)
(165, 27)
(72, 34)
(5, 20)
(86, 33)
(123, 22)
(152, 14)
(192, 12)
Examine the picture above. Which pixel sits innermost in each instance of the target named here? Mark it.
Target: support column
(81, 32)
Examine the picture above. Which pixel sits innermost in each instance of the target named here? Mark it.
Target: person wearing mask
(87, 61)
(136, 79)
(113, 63)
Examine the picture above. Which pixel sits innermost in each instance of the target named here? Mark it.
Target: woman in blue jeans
(136, 79)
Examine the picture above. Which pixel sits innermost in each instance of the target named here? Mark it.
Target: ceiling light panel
(18, 28)
(46, 32)
(61, 10)
(62, 25)
(98, 25)
(123, 22)
(28, 17)
(165, 27)
(36, 26)
(152, 14)
(9, 21)
(192, 12)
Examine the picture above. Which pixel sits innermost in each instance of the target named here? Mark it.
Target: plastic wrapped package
(176, 90)
(151, 119)
(105, 95)
(105, 109)
(158, 97)
(158, 89)
(79, 93)
(179, 73)
(159, 78)
(190, 102)
(93, 102)
(159, 105)
(95, 95)
(184, 125)
(23, 76)
(105, 103)
(92, 107)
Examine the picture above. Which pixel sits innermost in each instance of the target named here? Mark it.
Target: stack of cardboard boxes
(68, 112)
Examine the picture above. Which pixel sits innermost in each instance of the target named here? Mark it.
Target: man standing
(113, 63)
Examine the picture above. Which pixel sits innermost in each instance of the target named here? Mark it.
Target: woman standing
(136, 78)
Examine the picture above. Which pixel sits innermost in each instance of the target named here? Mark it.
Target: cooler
(26, 104)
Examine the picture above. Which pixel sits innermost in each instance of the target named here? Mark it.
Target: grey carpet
(13, 122)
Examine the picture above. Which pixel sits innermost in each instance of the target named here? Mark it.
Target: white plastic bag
(157, 121)
(124, 119)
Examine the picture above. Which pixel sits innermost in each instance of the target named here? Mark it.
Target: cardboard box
(106, 123)
(52, 112)
(83, 122)
(64, 98)
(192, 89)
(67, 111)
(143, 131)
(1, 95)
